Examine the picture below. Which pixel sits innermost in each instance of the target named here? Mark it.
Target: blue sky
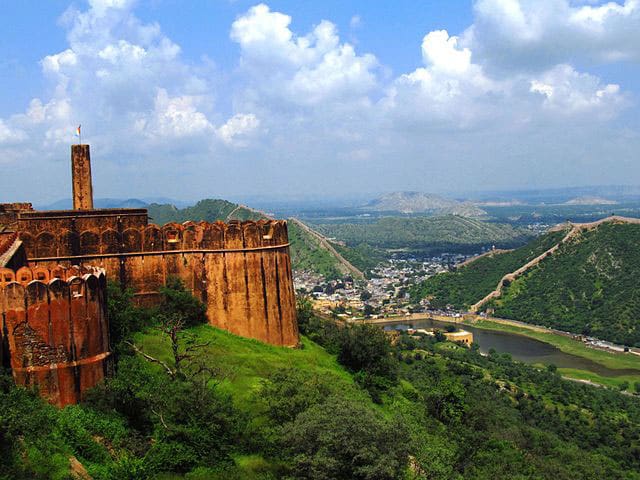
(225, 98)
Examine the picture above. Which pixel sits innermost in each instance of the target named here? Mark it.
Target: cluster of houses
(384, 293)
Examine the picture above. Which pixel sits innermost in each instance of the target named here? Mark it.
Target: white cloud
(238, 128)
(534, 35)
(309, 105)
(568, 92)
(304, 70)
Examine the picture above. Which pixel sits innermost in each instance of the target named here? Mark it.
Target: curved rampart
(240, 270)
(55, 329)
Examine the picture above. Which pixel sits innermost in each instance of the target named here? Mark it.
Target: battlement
(102, 240)
(9, 212)
(55, 333)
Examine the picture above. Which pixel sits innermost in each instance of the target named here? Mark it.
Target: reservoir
(521, 348)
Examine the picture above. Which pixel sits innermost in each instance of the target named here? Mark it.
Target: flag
(78, 131)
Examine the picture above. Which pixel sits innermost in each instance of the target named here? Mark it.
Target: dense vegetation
(208, 210)
(470, 283)
(354, 408)
(449, 233)
(589, 286)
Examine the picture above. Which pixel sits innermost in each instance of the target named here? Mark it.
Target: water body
(523, 348)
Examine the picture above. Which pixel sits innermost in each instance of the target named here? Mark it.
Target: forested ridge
(589, 286)
(208, 210)
(446, 233)
(468, 284)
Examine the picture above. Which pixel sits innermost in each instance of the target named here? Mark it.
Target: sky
(230, 98)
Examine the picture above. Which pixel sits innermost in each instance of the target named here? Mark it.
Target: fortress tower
(81, 177)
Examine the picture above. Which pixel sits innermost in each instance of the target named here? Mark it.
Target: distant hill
(449, 233)
(586, 200)
(588, 285)
(417, 202)
(208, 210)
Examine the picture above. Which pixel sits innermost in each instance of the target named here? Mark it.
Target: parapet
(102, 239)
(55, 329)
(9, 212)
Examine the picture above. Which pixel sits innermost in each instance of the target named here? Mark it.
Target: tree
(183, 345)
(176, 299)
(343, 440)
(304, 310)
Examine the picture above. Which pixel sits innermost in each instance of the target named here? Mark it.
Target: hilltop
(418, 202)
(580, 278)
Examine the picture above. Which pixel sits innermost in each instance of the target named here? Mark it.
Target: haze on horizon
(229, 98)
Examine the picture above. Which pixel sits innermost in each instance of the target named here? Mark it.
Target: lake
(522, 348)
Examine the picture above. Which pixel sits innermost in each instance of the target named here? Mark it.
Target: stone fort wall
(240, 270)
(54, 332)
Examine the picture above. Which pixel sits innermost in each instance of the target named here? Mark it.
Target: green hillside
(429, 234)
(470, 283)
(208, 210)
(306, 254)
(589, 286)
(347, 405)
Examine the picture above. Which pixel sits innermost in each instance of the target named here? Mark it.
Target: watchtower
(81, 177)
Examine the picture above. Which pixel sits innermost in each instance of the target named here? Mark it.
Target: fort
(51, 260)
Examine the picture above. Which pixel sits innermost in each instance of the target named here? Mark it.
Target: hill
(417, 202)
(311, 251)
(476, 279)
(449, 233)
(590, 201)
(589, 286)
(585, 283)
(208, 210)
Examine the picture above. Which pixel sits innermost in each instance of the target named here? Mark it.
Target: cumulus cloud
(238, 128)
(530, 34)
(310, 105)
(304, 70)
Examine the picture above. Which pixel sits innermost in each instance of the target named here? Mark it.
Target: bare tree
(183, 348)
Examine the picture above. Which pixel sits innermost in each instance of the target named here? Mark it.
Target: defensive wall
(55, 333)
(241, 271)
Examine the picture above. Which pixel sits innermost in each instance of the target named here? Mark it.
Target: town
(385, 293)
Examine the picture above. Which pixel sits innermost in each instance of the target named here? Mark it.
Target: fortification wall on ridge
(55, 333)
(240, 270)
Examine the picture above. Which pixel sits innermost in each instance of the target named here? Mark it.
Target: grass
(615, 361)
(243, 363)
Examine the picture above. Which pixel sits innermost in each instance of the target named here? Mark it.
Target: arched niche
(132, 240)
(46, 245)
(89, 243)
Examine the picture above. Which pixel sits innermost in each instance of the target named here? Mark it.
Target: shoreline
(609, 358)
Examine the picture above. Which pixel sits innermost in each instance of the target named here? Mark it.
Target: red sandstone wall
(57, 330)
(241, 270)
